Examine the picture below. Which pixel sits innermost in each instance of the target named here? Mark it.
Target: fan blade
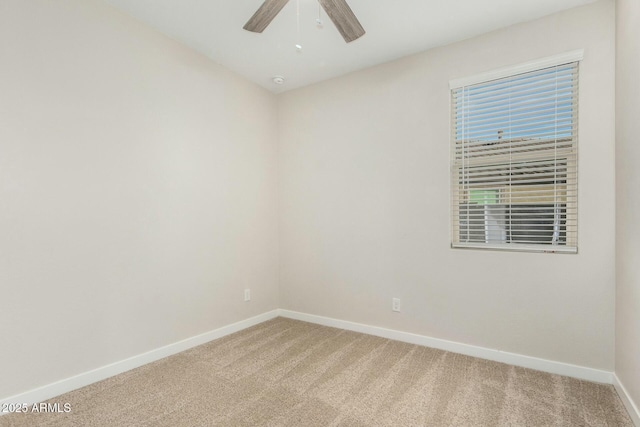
(264, 15)
(343, 18)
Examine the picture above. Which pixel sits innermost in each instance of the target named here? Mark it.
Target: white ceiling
(395, 28)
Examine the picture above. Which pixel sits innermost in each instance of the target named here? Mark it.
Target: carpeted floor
(289, 373)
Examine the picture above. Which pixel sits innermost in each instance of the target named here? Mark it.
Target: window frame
(571, 245)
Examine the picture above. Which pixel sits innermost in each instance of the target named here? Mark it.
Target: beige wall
(137, 192)
(628, 196)
(364, 172)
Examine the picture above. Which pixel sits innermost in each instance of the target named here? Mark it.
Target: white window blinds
(514, 161)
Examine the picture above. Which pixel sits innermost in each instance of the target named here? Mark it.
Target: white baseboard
(632, 409)
(544, 365)
(66, 385)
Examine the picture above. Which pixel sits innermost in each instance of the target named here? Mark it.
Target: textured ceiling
(395, 28)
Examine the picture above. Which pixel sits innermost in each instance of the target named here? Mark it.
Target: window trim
(499, 73)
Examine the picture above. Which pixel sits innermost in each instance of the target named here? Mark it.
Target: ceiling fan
(338, 11)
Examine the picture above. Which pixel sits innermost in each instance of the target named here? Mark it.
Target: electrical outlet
(395, 304)
(247, 294)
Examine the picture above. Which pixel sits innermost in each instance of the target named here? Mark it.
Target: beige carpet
(290, 373)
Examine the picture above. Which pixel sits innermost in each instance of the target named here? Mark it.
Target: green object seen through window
(483, 197)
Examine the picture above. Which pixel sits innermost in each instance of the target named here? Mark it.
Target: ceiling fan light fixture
(338, 12)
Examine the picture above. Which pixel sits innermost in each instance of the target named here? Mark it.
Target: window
(514, 158)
